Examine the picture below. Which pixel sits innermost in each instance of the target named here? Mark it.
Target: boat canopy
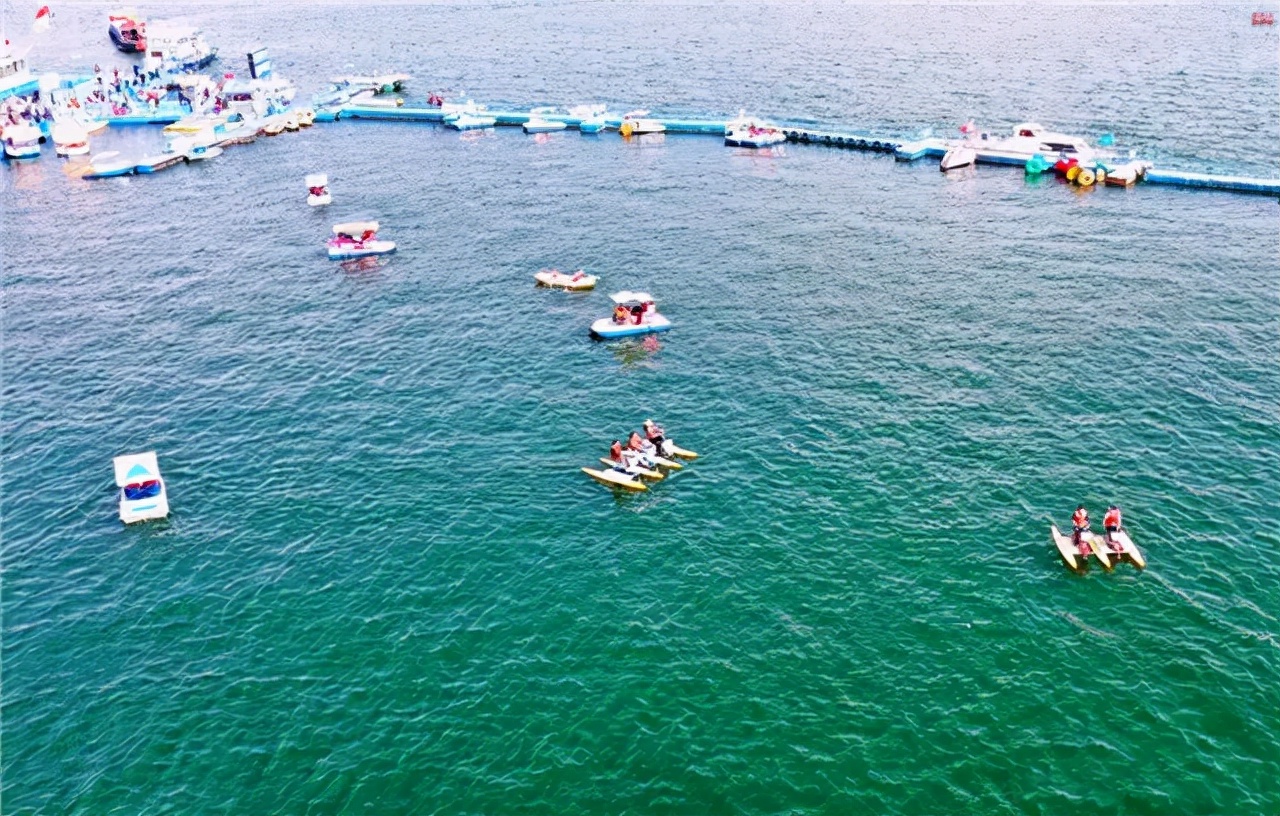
(317, 180)
(133, 468)
(355, 228)
(626, 296)
(1028, 129)
(635, 114)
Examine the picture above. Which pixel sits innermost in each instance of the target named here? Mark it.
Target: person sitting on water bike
(643, 448)
(1111, 524)
(656, 435)
(620, 314)
(1080, 524)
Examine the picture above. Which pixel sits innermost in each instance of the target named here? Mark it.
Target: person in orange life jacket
(1080, 524)
(620, 313)
(1111, 523)
(615, 451)
(643, 448)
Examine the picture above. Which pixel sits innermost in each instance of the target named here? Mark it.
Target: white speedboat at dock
(1028, 139)
(747, 131)
(538, 123)
(635, 123)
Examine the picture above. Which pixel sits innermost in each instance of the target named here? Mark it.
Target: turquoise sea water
(385, 586)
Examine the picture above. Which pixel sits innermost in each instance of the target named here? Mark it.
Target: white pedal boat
(356, 239)
(573, 282)
(22, 141)
(649, 321)
(318, 189)
(70, 139)
(638, 470)
(142, 491)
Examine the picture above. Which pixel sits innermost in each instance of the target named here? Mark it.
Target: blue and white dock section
(906, 151)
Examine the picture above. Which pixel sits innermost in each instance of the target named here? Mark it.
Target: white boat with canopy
(356, 239)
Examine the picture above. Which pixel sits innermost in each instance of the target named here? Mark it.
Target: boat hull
(613, 478)
(1128, 549)
(606, 329)
(369, 248)
(320, 200)
(643, 473)
(543, 127)
(958, 157)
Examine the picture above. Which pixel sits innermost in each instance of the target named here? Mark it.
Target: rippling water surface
(385, 587)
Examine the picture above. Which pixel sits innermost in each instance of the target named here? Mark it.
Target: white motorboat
(356, 239)
(371, 99)
(110, 163)
(200, 152)
(633, 313)
(747, 131)
(176, 48)
(538, 123)
(634, 123)
(318, 190)
(22, 141)
(70, 138)
(142, 490)
(958, 157)
(1028, 139)
(469, 121)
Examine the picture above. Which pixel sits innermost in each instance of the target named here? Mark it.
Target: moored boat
(21, 141)
(634, 313)
(747, 131)
(109, 164)
(355, 239)
(200, 152)
(69, 138)
(469, 121)
(635, 123)
(957, 157)
(537, 123)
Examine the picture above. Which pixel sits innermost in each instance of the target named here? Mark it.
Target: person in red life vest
(637, 314)
(1111, 524)
(615, 451)
(1080, 524)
